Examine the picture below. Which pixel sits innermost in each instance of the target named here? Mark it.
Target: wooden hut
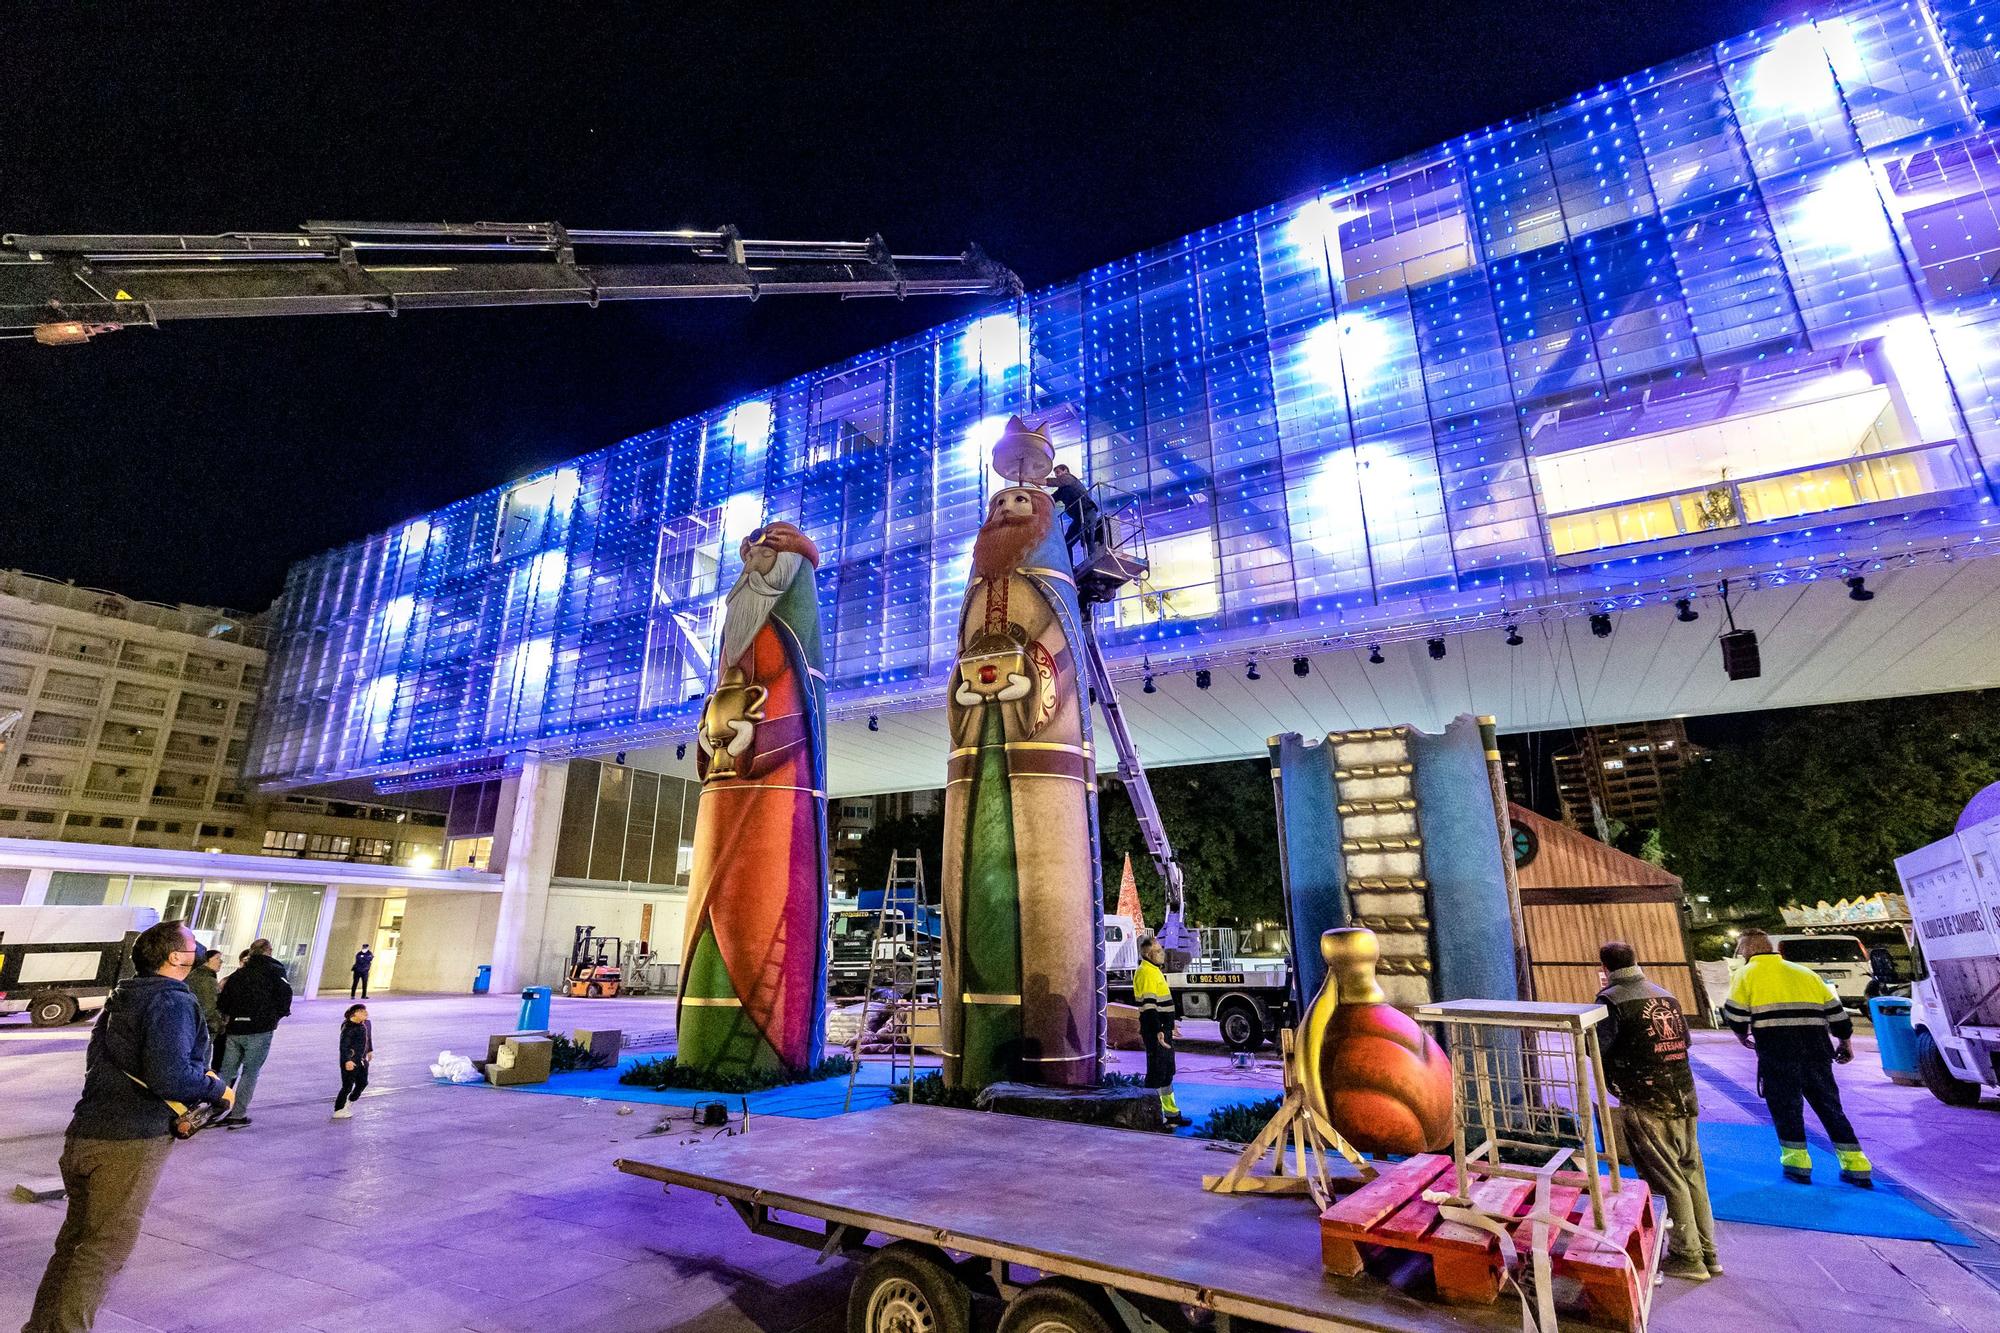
(1576, 893)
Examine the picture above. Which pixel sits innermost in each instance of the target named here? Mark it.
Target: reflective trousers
(1789, 1086)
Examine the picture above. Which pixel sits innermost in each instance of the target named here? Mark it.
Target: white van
(1953, 886)
(1840, 960)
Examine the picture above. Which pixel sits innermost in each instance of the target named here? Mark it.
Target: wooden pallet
(1614, 1267)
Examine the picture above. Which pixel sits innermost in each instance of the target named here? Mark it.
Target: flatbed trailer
(1112, 1226)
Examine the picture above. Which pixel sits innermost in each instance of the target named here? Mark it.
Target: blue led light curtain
(1727, 315)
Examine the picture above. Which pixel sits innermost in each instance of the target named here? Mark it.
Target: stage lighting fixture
(1202, 678)
(1436, 649)
(1375, 654)
(1251, 672)
(1514, 639)
(1684, 611)
(1301, 668)
(1740, 658)
(1600, 625)
(1149, 687)
(874, 722)
(1857, 590)
(681, 750)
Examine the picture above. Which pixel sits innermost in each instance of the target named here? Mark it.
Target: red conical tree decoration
(1128, 897)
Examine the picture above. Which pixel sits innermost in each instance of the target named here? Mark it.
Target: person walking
(1156, 1026)
(206, 983)
(256, 998)
(1800, 1030)
(149, 1047)
(363, 961)
(357, 1048)
(1644, 1039)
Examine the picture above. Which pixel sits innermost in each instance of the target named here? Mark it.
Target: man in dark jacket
(151, 1033)
(364, 961)
(254, 998)
(205, 982)
(1645, 1046)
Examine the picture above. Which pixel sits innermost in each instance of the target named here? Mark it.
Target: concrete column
(322, 931)
(36, 892)
(524, 845)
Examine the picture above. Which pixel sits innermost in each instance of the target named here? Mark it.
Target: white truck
(59, 962)
(1248, 992)
(1953, 887)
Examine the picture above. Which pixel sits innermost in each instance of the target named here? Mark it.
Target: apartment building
(129, 726)
(1623, 771)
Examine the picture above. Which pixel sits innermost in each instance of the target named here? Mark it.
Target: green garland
(663, 1073)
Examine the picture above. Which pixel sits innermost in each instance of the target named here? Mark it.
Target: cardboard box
(493, 1046)
(600, 1041)
(520, 1059)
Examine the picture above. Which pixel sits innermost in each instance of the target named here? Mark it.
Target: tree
(1817, 803)
(919, 833)
(1222, 821)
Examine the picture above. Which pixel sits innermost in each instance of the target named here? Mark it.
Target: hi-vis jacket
(1787, 1009)
(1155, 1002)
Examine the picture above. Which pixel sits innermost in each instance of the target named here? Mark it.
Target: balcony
(1733, 509)
(124, 747)
(136, 706)
(180, 802)
(151, 668)
(41, 738)
(81, 655)
(73, 697)
(21, 643)
(42, 786)
(115, 791)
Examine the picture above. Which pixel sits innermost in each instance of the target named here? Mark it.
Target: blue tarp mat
(1744, 1183)
(804, 1101)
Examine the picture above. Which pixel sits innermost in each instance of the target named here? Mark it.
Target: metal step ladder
(904, 964)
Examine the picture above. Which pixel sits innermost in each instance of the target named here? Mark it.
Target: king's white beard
(749, 604)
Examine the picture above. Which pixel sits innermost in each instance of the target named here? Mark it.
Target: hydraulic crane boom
(64, 289)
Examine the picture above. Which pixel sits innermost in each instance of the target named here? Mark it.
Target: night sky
(196, 463)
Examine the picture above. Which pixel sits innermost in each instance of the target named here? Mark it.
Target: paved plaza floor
(440, 1208)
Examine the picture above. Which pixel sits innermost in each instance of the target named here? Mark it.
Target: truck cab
(1242, 980)
(1953, 888)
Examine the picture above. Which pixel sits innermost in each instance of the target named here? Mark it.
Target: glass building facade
(1731, 317)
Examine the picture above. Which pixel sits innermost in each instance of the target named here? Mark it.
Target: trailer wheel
(52, 1011)
(905, 1288)
(1058, 1306)
(1242, 1026)
(1946, 1086)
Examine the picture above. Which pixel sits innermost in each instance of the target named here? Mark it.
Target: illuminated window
(534, 513)
(1180, 586)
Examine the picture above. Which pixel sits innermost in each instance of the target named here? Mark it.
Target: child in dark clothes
(357, 1048)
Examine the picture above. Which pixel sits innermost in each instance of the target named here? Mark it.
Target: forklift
(595, 970)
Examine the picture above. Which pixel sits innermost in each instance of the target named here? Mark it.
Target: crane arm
(64, 289)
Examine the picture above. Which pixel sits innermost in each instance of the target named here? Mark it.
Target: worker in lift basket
(1156, 1026)
(1800, 1030)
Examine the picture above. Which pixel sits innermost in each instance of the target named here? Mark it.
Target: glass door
(291, 912)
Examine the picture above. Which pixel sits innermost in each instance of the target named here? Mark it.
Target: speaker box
(1740, 657)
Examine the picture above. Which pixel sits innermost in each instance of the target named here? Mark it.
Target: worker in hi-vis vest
(1156, 1026)
(1799, 1029)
